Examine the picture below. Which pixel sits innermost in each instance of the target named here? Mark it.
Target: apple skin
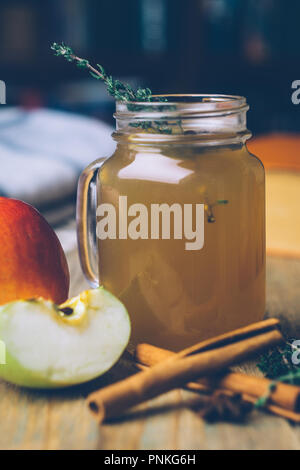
(32, 261)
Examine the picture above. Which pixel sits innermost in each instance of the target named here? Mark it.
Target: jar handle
(86, 220)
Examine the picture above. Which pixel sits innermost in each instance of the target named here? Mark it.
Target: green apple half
(50, 346)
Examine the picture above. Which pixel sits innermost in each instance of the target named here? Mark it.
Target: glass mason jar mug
(180, 227)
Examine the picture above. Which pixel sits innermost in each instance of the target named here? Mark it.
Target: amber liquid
(177, 297)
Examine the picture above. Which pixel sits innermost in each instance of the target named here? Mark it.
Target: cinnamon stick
(226, 338)
(215, 355)
(232, 336)
(284, 396)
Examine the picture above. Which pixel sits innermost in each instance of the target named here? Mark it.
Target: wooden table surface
(61, 420)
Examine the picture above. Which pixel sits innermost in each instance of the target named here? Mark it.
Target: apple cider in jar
(181, 219)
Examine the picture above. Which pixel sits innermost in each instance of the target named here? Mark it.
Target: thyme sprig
(120, 91)
(277, 362)
(277, 365)
(209, 209)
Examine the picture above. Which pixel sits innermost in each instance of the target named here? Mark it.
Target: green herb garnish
(277, 362)
(121, 91)
(262, 401)
(277, 365)
(209, 209)
(117, 89)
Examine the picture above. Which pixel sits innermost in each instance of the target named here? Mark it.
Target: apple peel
(51, 346)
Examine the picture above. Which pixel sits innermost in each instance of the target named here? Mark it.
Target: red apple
(32, 261)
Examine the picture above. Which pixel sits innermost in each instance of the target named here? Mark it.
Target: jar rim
(183, 104)
(202, 115)
(199, 102)
(196, 98)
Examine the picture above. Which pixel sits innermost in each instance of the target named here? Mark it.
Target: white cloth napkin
(42, 153)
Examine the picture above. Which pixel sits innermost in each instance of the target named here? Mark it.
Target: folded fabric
(42, 153)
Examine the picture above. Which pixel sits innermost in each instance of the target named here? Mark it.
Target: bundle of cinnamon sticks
(201, 367)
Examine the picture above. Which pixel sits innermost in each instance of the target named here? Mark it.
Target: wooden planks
(60, 420)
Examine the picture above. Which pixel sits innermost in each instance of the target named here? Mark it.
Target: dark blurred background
(248, 47)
